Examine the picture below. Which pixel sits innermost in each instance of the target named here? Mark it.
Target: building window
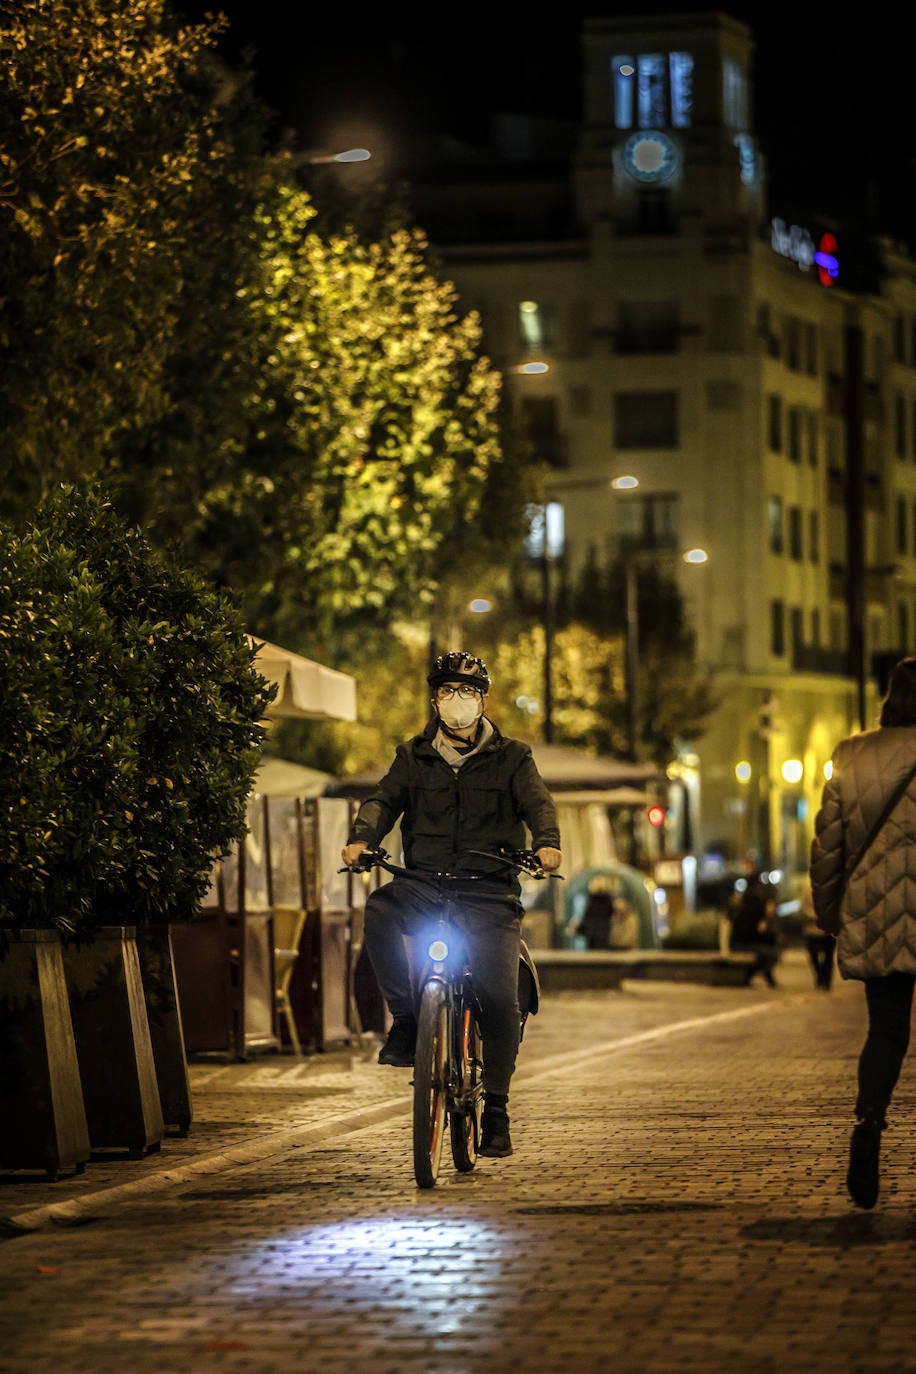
(794, 426)
(899, 338)
(900, 425)
(774, 517)
(796, 630)
(793, 345)
(536, 326)
(680, 67)
(814, 538)
(646, 419)
(902, 531)
(836, 450)
(816, 628)
(812, 428)
(774, 423)
(777, 628)
(580, 339)
(795, 534)
(623, 74)
(734, 94)
(541, 424)
(903, 626)
(647, 327)
(837, 630)
(810, 349)
(648, 522)
(650, 91)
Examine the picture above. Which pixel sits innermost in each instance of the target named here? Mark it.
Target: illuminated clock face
(651, 156)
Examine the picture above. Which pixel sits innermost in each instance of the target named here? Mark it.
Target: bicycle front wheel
(464, 1121)
(430, 1083)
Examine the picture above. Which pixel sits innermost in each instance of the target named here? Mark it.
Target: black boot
(495, 1142)
(401, 1045)
(864, 1152)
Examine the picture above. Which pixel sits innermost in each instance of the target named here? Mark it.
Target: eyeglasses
(464, 690)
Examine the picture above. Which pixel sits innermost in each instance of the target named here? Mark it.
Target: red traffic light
(656, 815)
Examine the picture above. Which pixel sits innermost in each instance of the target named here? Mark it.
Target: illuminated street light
(793, 770)
(535, 368)
(317, 157)
(625, 483)
(480, 605)
(743, 771)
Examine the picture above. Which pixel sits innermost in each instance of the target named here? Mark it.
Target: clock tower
(668, 140)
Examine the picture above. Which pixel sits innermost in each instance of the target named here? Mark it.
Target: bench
(587, 970)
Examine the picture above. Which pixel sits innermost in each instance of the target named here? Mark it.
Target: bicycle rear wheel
(430, 1081)
(464, 1123)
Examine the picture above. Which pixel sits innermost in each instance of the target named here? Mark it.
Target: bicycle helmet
(459, 666)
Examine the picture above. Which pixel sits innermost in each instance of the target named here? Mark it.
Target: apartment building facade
(751, 369)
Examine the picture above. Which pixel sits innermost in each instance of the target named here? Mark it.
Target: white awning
(306, 689)
(283, 778)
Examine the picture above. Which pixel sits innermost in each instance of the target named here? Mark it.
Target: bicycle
(448, 1062)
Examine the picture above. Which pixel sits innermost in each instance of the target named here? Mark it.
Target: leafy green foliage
(129, 725)
(371, 429)
(109, 130)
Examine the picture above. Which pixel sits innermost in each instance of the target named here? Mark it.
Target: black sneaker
(494, 1134)
(401, 1044)
(864, 1150)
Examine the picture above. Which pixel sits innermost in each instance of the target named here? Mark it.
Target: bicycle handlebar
(521, 860)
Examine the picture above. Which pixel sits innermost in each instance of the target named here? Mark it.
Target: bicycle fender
(529, 987)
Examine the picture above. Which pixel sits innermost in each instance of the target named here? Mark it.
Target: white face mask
(459, 712)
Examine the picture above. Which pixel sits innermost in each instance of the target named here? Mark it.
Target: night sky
(835, 108)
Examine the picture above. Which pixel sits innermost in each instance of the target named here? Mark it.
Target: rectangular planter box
(42, 1116)
(113, 1043)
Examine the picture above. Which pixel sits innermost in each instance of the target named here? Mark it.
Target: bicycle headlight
(438, 951)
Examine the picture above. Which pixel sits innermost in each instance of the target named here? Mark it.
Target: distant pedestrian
(754, 929)
(819, 945)
(608, 921)
(863, 880)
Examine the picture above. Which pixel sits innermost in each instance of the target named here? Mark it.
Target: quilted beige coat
(874, 918)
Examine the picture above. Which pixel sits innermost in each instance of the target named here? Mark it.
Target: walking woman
(863, 881)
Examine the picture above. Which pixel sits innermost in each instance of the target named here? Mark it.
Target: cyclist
(458, 785)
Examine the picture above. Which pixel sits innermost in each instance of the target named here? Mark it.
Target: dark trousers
(889, 1002)
(820, 957)
(491, 924)
(766, 957)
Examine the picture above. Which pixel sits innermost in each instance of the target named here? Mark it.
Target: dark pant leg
(398, 916)
(889, 1002)
(493, 931)
(825, 971)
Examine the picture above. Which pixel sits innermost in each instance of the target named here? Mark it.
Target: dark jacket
(485, 805)
(753, 916)
(873, 914)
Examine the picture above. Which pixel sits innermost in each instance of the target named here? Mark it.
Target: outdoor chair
(289, 922)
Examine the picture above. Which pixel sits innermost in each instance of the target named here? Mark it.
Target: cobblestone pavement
(676, 1202)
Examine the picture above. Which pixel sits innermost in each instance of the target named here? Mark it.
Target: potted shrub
(129, 738)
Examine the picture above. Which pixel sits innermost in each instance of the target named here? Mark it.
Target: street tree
(111, 147)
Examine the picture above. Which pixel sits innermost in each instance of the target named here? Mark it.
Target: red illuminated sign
(828, 267)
